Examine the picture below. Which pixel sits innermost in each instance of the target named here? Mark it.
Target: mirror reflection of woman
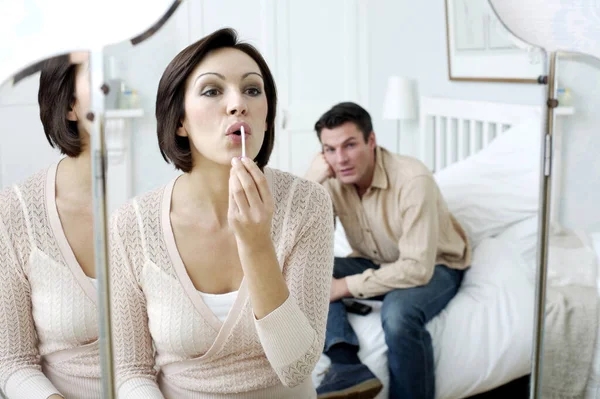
(220, 278)
(48, 314)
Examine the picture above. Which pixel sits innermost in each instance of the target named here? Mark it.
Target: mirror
(34, 30)
(49, 326)
(392, 61)
(79, 362)
(568, 331)
(565, 351)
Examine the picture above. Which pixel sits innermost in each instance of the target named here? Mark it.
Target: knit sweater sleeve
(135, 374)
(292, 335)
(21, 375)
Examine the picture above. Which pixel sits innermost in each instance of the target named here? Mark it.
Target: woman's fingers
(260, 181)
(237, 191)
(248, 184)
(232, 211)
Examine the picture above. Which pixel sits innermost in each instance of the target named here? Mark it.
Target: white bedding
(481, 340)
(593, 386)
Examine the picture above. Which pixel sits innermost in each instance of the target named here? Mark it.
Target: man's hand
(339, 289)
(319, 170)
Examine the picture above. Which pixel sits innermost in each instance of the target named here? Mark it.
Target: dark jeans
(404, 314)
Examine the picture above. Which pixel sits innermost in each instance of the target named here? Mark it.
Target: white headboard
(452, 129)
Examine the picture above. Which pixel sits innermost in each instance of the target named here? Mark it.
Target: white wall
(581, 145)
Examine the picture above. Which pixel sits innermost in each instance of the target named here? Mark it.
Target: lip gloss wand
(243, 143)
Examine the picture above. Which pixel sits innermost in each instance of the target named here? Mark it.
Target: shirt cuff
(143, 388)
(28, 383)
(356, 285)
(285, 333)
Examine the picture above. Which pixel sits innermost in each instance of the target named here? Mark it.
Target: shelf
(564, 111)
(124, 113)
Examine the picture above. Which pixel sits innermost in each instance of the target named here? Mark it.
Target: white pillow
(523, 237)
(498, 186)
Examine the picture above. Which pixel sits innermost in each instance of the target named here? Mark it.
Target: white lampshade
(400, 102)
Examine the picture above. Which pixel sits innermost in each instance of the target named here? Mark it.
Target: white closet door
(321, 60)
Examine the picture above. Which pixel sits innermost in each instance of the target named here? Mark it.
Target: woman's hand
(250, 203)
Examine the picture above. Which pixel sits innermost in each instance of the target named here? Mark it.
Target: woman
(221, 278)
(48, 315)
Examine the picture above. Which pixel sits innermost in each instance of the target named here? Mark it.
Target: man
(408, 251)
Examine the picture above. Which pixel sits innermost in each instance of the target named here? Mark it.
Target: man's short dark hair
(56, 97)
(170, 99)
(342, 113)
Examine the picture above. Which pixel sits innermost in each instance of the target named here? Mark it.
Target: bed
(485, 158)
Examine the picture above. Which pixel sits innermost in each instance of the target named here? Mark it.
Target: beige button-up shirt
(401, 223)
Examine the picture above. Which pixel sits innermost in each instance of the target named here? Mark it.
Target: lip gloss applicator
(243, 143)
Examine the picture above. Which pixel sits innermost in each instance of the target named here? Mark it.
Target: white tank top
(219, 304)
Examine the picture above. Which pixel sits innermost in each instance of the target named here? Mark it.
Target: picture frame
(481, 49)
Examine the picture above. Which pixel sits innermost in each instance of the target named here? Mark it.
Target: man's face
(351, 158)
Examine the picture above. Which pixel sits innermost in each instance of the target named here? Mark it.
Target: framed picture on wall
(480, 48)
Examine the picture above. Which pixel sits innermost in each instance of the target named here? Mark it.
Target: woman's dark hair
(170, 110)
(56, 97)
(342, 113)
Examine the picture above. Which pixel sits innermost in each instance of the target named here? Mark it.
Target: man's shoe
(347, 381)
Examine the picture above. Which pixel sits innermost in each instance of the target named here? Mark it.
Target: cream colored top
(167, 339)
(48, 312)
(402, 222)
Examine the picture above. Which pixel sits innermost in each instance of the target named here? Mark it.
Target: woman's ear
(181, 130)
(71, 114)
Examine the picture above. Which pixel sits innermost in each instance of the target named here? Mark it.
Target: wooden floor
(516, 389)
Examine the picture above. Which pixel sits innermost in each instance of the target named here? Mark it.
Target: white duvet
(481, 340)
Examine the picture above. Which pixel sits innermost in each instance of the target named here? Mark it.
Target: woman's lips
(237, 127)
(234, 133)
(237, 139)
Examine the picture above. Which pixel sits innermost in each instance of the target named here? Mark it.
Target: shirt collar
(380, 179)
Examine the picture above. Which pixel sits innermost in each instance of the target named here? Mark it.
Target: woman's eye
(253, 91)
(210, 92)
